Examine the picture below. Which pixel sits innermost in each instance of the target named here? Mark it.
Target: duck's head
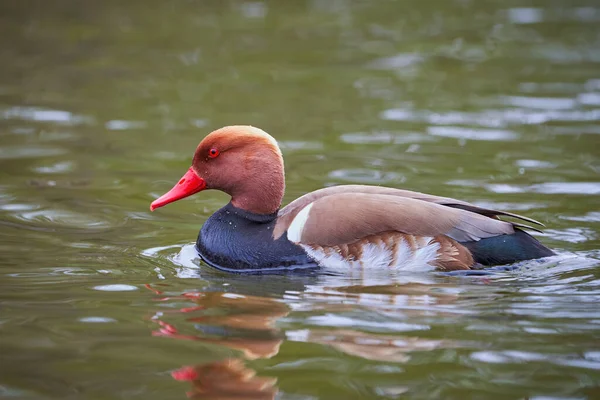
(242, 161)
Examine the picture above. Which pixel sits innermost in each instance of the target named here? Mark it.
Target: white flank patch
(423, 257)
(297, 225)
(333, 260)
(375, 256)
(379, 256)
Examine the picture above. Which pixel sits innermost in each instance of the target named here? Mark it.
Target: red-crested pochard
(348, 226)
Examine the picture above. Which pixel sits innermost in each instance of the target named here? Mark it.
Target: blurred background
(102, 104)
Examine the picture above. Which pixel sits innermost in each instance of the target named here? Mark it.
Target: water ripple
(382, 137)
(380, 326)
(589, 99)
(492, 118)
(18, 152)
(120, 125)
(541, 103)
(592, 216)
(363, 175)
(517, 356)
(525, 15)
(115, 288)
(472, 133)
(587, 188)
(39, 114)
(64, 218)
(56, 168)
(571, 235)
(534, 164)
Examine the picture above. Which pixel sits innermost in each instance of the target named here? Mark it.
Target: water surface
(103, 103)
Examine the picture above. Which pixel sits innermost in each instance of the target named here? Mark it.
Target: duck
(337, 228)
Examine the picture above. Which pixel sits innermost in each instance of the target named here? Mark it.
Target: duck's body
(341, 227)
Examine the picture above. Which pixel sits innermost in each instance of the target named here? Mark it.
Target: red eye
(212, 153)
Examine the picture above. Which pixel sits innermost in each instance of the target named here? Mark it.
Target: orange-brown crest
(248, 166)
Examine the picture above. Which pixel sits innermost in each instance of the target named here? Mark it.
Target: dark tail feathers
(507, 249)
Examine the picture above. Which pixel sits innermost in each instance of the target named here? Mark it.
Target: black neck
(259, 218)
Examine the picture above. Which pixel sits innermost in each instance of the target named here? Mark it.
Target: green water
(102, 104)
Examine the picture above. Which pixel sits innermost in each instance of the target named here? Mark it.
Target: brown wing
(348, 217)
(287, 214)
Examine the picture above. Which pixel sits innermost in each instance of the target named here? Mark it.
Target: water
(103, 103)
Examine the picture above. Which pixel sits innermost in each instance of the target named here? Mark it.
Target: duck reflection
(243, 323)
(226, 379)
(247, 323)
(386, 348)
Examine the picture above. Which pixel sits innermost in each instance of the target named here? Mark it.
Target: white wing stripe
(297, 225)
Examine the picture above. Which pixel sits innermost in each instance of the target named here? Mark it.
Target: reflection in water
(243, 323)
(386, 348)
(226, 379)
(383, 318)
(247, 323)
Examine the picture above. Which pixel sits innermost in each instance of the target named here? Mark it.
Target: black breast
(239, 241)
